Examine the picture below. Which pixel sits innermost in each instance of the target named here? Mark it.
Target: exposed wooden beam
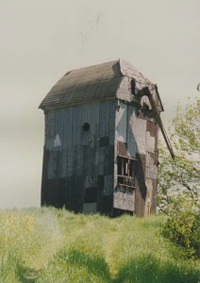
(159, 120)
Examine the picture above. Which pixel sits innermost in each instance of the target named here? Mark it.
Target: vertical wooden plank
(112, 107)
(104, 118)
(94, 119)
(68, 127)
(86, 113)
(69, 167)
(64, 127)
(58, 129)
(50, 123)
(122, 172)
(76, 125)
(64, 163)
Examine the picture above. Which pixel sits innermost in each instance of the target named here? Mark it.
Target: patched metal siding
(95, 119)
(76, 159)
(136, 135)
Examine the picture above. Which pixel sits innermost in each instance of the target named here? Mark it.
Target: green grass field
(50, 245)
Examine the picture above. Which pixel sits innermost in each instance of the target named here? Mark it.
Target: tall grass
(48, 245)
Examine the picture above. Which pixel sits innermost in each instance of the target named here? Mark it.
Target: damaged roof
(93, 83)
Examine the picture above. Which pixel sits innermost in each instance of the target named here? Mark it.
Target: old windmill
(101, 141)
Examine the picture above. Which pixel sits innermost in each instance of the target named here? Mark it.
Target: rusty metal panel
(151, 197)
(124, 198)
(140, 195)
(122, 148)
(154, 196)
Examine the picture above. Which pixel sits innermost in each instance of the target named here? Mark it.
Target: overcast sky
(42, 40)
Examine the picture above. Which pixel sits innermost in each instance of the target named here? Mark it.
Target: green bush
(182, 228)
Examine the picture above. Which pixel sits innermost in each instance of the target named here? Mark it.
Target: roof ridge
(91, 66)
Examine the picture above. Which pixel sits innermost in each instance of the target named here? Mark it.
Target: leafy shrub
(182, 228)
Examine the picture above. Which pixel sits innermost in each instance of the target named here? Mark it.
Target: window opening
(126, 171)
(133, 87)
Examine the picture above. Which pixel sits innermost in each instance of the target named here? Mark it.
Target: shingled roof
(92, 83)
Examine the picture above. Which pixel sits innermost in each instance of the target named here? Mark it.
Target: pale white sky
(42, 40)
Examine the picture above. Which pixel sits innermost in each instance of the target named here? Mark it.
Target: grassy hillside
(48, 245)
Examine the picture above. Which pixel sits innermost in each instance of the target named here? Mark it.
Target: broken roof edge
(91, 66)
(158, 94)
(130, 71)
(118, 68)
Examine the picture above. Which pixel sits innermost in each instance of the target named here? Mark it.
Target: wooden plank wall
(140, 133)
(75, 155)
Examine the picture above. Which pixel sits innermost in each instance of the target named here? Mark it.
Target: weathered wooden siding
(114, 164)
(139, 132)
(75, 160)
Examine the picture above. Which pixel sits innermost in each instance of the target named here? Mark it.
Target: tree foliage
(179, 179)
(182, 227)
